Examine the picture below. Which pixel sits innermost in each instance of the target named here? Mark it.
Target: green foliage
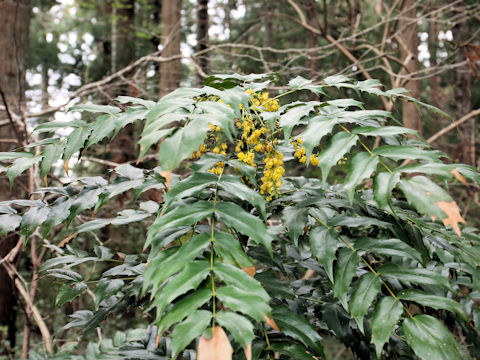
(235, 241)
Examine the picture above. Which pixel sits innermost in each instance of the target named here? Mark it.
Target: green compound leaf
(296, 326)
(242, 301)
(234, 186)
(317, 128)
(361, 167)
(68, 293)
(160, 268)
(429, 339)
(239, 326)
(401, 152)
(387, 313)
(383, 184)
(414, 275)
(345, 270)
(227, 246)
(188, 279)
(337, 147)
(323, 245)
(366, 290)
(433, 301)
(184, 308)
(180, 216)
(234, 216)
(191, 328)
(389, 247)
(238, 278)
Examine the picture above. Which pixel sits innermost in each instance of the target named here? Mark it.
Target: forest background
(55, 54)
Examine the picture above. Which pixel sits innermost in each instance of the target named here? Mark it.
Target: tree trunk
(408, 41)
(123, 34)
(312, 19)
(14, 36)
(202, 36)
(170, 71)
(463, 97)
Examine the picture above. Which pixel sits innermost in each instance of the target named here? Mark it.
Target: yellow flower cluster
(300, 153)
(272, 174)
(248, 157)
(217, 169)
(263, 99)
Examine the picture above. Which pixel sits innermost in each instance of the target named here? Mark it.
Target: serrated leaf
(317, 128)
(215, 348)
(383, 131)
(180, 216)
(234, 216)
(239, 326)
(190, 186)
(182, 143)
(188, 279)
(54, 125)
(244, 302)
(227, 243)
(160, 269)
(51, 154)
(337, 147)
(401, 152)
(9, 222)
(94, 108)
(107, 287)
(389, 247)
(296, 326)
(68, 293)
(433, 301)
(75, 141)
(345, 270)
(183, 308)
(233, 185)
(383, 184)
(295, 219)
(129, 99)
(33, 218)
(191, 328)
(103, 127)
(387, 314)
(361, 167)
(414, 275)
(366, 290)
(238, 278)
(429, 338)
(424, 195)
(20, 165)
(453, 215)
(293, 116)
(323, 245)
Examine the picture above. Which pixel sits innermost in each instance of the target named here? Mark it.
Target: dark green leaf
(366, 290)
(389, 247)
(345, 270)
(323, 245)
(68, 293)
(337, 147)
(296, 326)
(361, 167)
(226, 243)
(244, 302)
(429, 338)
(239, 326)
(183, 308)
(414, 275)
(387, 313)
(191, 328)
(105, 288)
(433, 301)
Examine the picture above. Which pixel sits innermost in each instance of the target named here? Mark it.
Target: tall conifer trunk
(14, 36)
(170, 71)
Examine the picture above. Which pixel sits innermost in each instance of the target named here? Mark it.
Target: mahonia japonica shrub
(243, 260)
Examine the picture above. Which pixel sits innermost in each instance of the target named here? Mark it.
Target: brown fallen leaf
(270, 322)
(250, 270)
(45, 180)
(453, 215)
(216, 348)
(459, 177)
(248, 352)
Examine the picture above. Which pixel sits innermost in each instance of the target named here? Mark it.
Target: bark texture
(202, 36)
(408, 41)
(14, 33)
(170, 71)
